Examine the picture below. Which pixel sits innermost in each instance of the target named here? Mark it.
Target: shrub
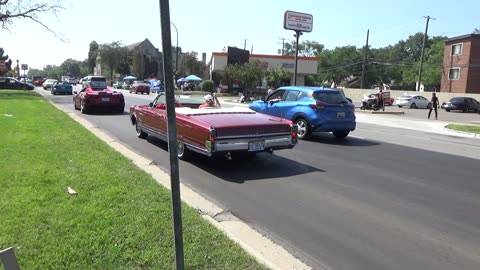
(207, 86)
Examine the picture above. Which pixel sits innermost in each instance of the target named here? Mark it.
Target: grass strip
(120, 219)
(465, 128)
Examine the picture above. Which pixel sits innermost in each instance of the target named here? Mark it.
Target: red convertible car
(214, 131)
(94, 98)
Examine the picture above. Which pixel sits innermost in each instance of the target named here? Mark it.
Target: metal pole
(364, 66)
(297, 36)
(176, 51)
(421, 57)
(172, 132)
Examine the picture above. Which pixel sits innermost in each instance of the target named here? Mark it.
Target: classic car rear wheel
(182, 151)
(83, 108)
(140, 133)
(303, 129)
(340, 134)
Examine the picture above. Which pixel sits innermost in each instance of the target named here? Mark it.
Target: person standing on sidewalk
(434, 106)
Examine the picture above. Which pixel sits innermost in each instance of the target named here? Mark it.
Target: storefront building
(306, 65)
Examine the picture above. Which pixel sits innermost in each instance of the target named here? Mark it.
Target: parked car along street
(464, 104)
(413, 102)
(312, 109)
(12, 83)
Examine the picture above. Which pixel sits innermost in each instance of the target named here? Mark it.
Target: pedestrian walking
(434, 106)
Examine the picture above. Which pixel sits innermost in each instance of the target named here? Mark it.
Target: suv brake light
(318, 105)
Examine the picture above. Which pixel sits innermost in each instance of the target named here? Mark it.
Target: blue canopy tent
(181, 80)
(193, 78)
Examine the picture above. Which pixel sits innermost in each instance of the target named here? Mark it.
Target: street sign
(24, 66)
(298, 21)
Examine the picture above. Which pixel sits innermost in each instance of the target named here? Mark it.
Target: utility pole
(244, 44)
(364, 66)
(297, 36)
(283, 44)
(423, 51)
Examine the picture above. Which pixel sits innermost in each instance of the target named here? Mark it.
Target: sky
(210, 25)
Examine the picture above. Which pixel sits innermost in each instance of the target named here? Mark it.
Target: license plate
(340, 114)
(105, 99)
(256, 146)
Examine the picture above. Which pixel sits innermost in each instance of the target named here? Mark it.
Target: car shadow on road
(242, 168)
(262, 166)
(328, 138)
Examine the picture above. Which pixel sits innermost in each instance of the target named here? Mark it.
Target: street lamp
(176, 51)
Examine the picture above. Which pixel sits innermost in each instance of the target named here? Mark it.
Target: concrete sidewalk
(391, 120)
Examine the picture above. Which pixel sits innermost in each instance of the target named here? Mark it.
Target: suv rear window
(98, 82)
(330, 97)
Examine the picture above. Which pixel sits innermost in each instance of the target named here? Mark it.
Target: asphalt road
(382, 199)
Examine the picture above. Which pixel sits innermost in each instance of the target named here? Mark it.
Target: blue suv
(313, 109)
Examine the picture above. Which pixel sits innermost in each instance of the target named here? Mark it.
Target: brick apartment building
(461, 65)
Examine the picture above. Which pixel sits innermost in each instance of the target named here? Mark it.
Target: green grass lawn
(120, 219)
(465, 128)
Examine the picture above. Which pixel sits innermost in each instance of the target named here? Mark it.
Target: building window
(454, 74)
(457, 49)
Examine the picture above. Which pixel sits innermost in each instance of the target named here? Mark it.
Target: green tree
(53, 72)
(339, 65)
(305, 48)
(112, 55)
(248, 73)
(276, 76)
(5, 63)
(71, 67)
(190, 64)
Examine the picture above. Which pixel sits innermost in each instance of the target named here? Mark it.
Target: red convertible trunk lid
(237, 121)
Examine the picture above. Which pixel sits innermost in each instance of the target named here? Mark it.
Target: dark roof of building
(469, 36)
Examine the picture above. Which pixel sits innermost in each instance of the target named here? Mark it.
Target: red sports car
(140, 87)
(89, 98)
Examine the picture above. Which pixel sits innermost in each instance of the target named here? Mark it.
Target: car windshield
(330, 97)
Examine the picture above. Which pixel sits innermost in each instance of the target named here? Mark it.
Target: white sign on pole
(298, 21)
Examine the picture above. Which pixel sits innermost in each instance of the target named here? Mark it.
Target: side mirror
(75, 92)
(150, 104)
(161, 106)
(349, 100)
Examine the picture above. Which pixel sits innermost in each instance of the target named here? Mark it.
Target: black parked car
(12, 83)
(464, 104)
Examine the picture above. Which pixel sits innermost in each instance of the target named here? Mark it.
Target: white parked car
(48, 83)
(413, 102)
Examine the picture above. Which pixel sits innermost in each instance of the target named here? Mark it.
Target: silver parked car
(413, 101)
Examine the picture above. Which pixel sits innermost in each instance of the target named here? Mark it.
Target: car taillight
(294, 131)
(318, 105)
(210, 143)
